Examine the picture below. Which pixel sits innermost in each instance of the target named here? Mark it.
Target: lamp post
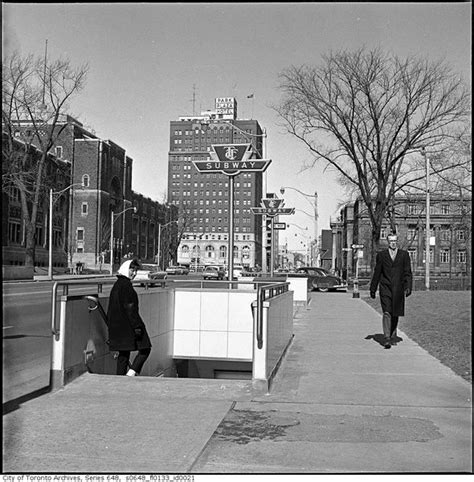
(309, 259)
(427, 228)
(113, 217)
(50, 244)
(315, 207)
(158, 255)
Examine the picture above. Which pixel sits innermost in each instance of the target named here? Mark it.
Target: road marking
(28, 293)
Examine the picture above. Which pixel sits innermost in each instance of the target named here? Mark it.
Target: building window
(223, 252)
(39, 235)
(84, 209)
(460, 235)
(80, 234)
(59, 152)
(209, 251)
(383, 233)
(185, 251)
(412, 233)
(444, 256)
(412, 253)
(461, 256)
(431, 255)
(412, 209)
(14, 230)
(85, 180)
(445, 209)
(445, 234)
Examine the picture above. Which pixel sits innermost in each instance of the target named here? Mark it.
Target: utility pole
(427, 227)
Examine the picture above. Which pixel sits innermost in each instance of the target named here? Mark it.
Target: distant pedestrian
(127, 331)
(392, 274)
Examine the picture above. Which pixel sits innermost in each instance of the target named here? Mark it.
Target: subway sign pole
(231, 160)
(271, 208)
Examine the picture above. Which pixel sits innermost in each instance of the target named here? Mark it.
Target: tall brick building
(101, 174)
(203, 198)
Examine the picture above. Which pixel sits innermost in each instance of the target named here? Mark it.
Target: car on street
(150, 273)
(238, 271)
(321, 279)
(177, 270)
(213, 272)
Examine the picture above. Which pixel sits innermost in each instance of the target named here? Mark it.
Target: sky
(148, 60)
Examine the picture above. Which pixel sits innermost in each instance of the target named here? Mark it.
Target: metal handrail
(273, 289)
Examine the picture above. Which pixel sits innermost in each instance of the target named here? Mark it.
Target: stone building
(450, 235)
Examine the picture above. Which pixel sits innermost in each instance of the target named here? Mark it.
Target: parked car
(238, 270)
(213, 272)
(150, 272)
(321, 279)
(177, 270)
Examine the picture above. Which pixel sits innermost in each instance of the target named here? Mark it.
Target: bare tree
(366, 114)
(35, 96)
(184, 218)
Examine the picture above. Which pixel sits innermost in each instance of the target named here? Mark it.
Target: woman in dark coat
(127, 331)
(392, 274)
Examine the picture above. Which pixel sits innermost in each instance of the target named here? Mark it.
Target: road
(27, 334)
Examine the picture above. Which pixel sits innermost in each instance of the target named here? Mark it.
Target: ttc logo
(231, 152)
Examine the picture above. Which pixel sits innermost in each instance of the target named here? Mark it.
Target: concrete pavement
(340, 403)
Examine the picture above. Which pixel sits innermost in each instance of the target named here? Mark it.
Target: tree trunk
(29, 245)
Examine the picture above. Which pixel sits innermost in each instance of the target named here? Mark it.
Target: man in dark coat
(127, 331)
(392, 274)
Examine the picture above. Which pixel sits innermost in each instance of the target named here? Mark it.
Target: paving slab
(340, 403)
(111, 424)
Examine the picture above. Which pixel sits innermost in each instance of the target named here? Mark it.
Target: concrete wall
(85, 334)
(211, 323)
(279, 330)
(17, 272)
(299, 286)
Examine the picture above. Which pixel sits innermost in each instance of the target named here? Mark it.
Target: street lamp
(158, 255)
(315, 206)
(113, 217)
(51, 203)
(427, 229)
(309, 259)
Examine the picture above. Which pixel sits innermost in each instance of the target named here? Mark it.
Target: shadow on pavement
(380, 339)
(14, 404)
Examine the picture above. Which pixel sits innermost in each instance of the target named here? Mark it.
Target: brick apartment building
(203, 198)
(101, 174)
(450, 235)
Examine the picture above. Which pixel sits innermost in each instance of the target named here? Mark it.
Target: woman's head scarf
(124, 270)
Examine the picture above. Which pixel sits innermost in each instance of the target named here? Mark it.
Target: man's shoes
(387, 344)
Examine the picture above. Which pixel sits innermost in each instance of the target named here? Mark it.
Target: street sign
(347, 249)
(232, 167)
(357, 246)
(271, 211)
(231, 159)
(279, 225)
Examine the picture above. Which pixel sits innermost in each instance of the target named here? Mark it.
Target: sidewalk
(340, 403)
